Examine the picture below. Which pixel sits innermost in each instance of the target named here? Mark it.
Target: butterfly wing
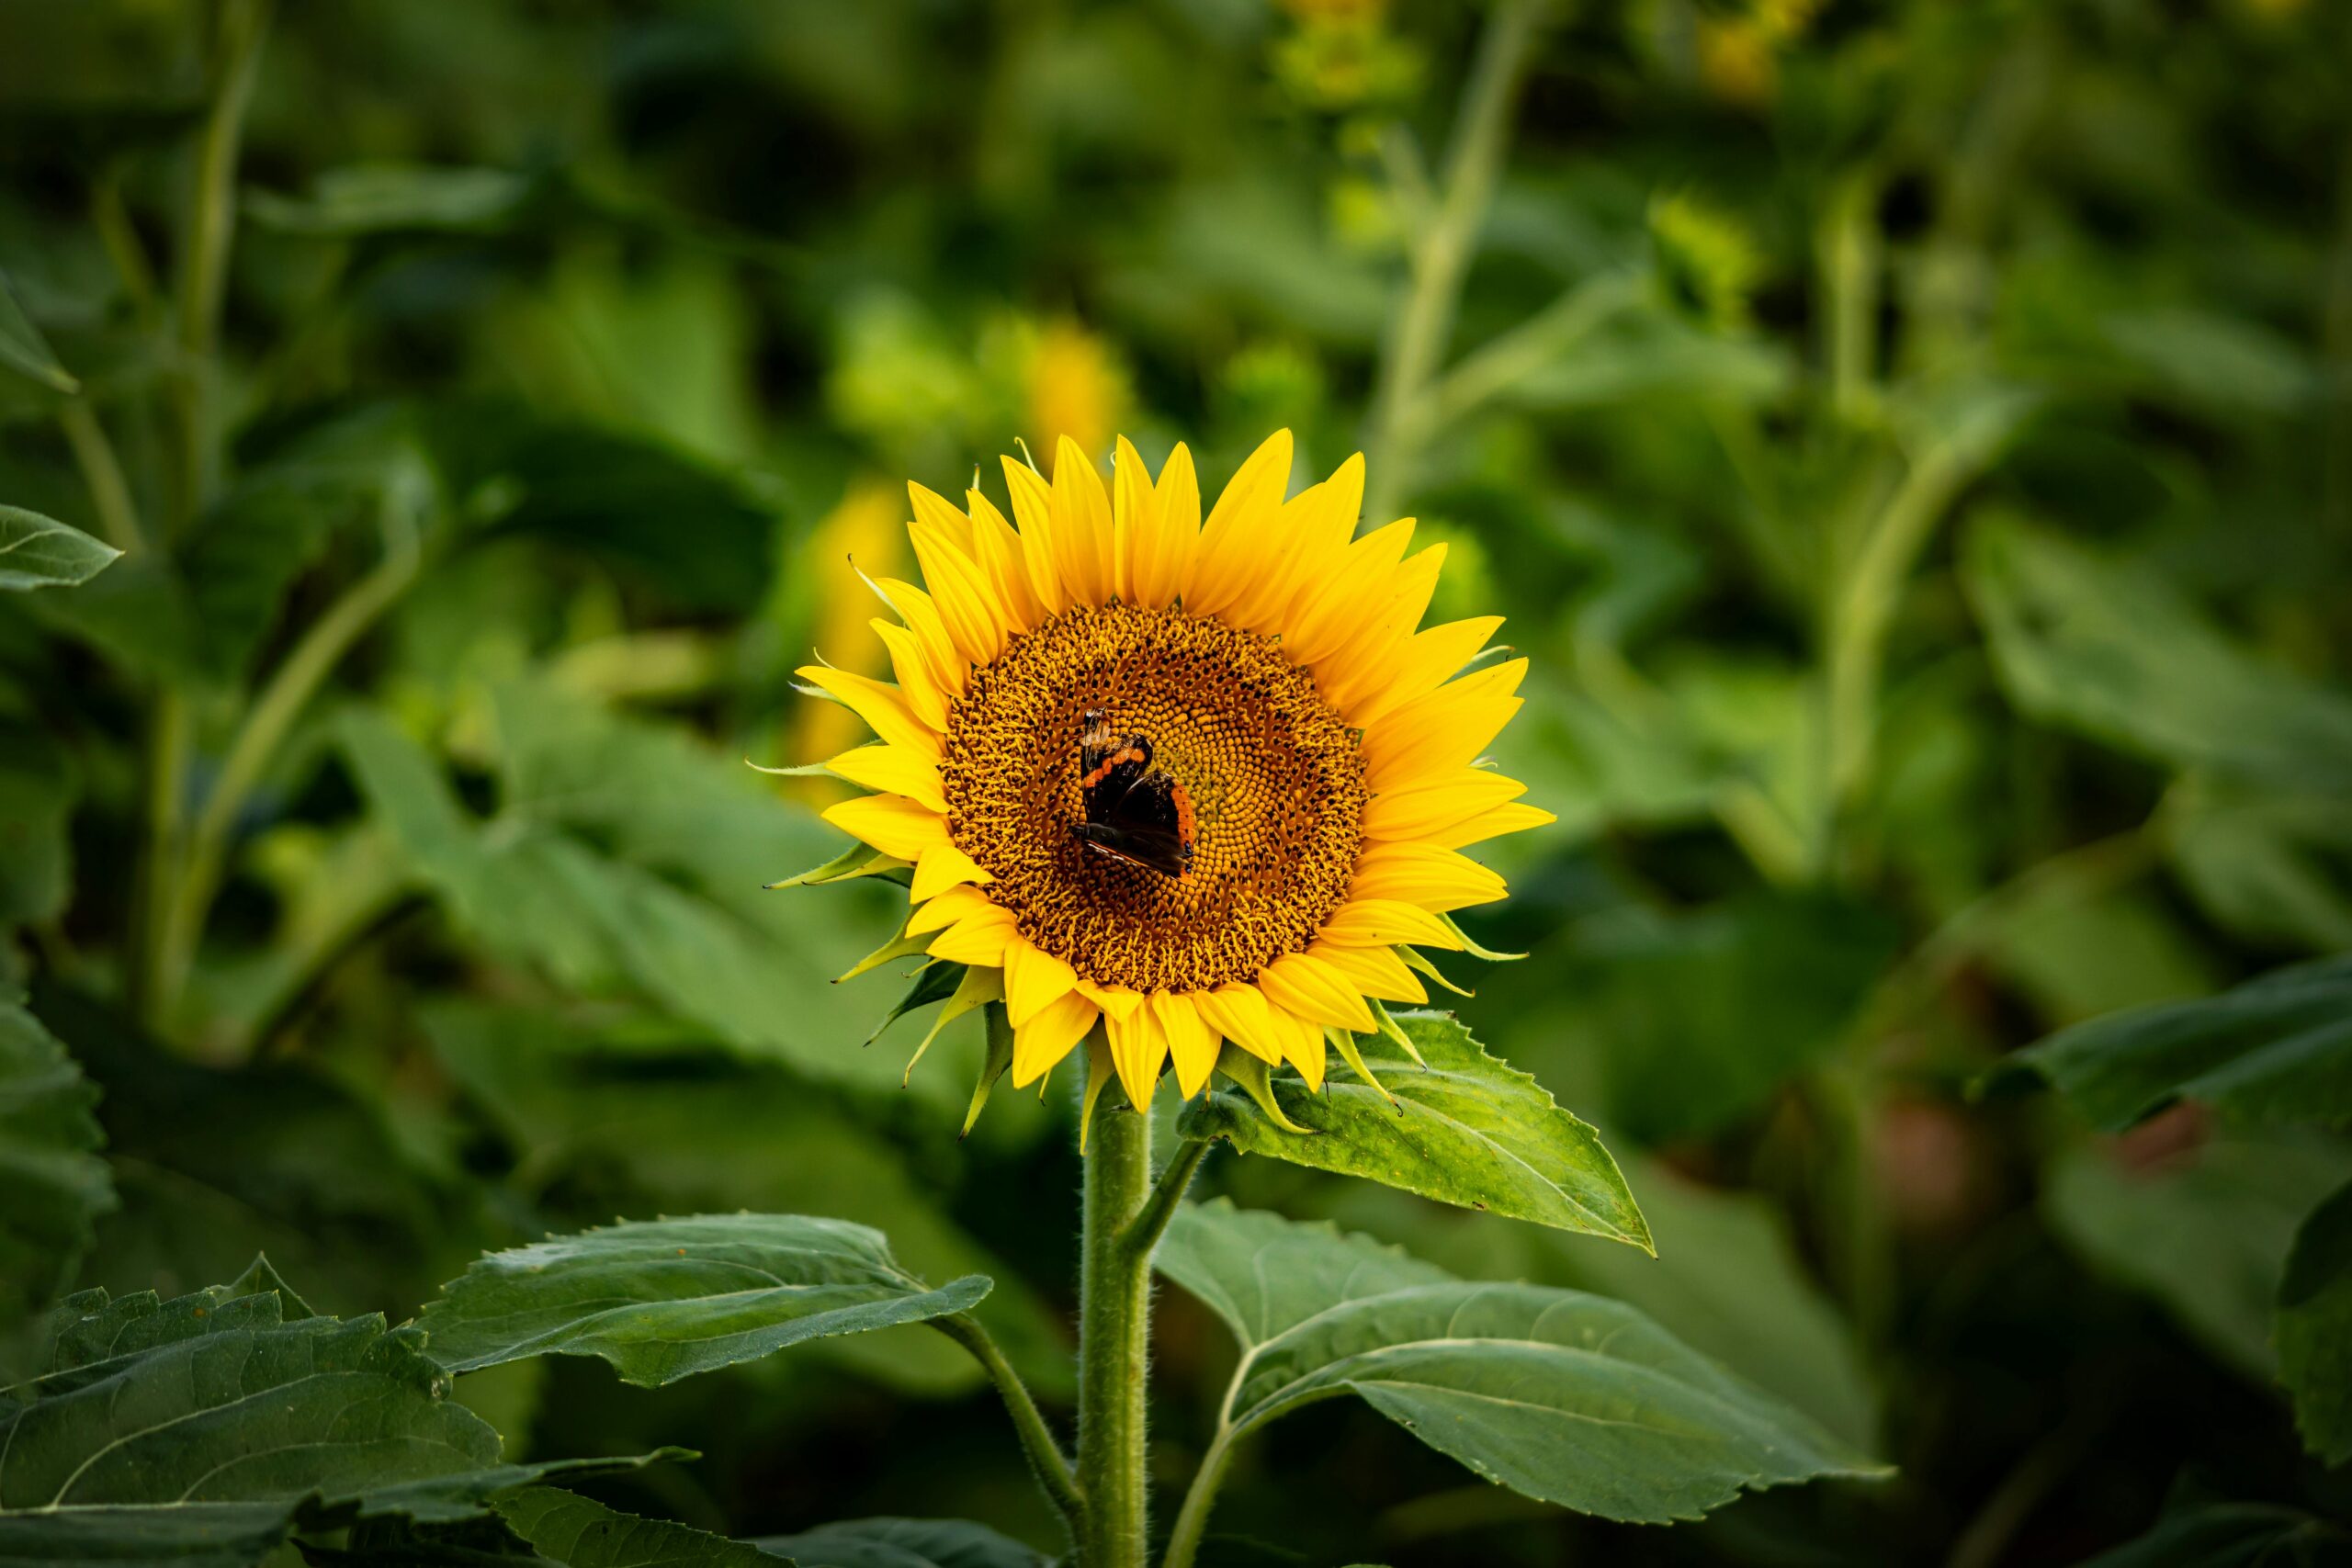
(1135, 811)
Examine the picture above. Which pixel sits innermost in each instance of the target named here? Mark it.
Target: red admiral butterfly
(1135, 811)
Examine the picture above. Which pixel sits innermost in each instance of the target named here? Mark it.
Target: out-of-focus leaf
(2275, 1049)
(24, 350)
(2214, 361)
(1563, 1396)
(2314, 1335)
(2277, 868)
(664, 1299)
(371, 198)
(2234, 1535)
(1694, 1020)
(41, 552)
(2079, 958)
(904, 1543)
(1265, 1274)
(661, 1123)
(56, 1183)
(320, 1179)
(2207, 1236)
(1654, 354)
(565, 1527)
(37, 790)
(1461, 1128)
(2101, 647)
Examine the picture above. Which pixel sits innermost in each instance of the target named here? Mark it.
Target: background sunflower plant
(1911, 441)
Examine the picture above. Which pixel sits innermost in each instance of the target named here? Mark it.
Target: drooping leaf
(2276, 1049)
(565, 1527)
(1566, 1398)
(664, 1299)
(2314, 1328)
(41, 552)
(904, 1543)
(1464, 1128)
(56, 1183)
(2206, 1235)
(2081, 640)
(1265, 1274)
(2234, 1535)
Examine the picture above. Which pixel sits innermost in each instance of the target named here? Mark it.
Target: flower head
(1200, 781)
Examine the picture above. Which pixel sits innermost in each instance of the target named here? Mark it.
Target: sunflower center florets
(1276, 785)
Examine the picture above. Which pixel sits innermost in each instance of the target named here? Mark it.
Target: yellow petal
(958, 584)
(1439, 735)
(1429, 659)
(1034, 980)
(1177, 496)
(1424, 809)
(1330, 610)
(1372, 971)
(980, 936)
(881, 706)
(921, 614)
(1239, 1013)
(1305, 543)
(1384, 923)
(1033, 508)
(1233, 537)
(893, 770)
(916, 686)
(1138, 1050)
(1377, 652)
(897, 826)
(944, 866)
(998, 550)
(1302, 1044)
(1134, 520)
(1422, 874)
(946, 907)
(1515, 816)
(1301, 984)
(1117, 1001)
(1082, 525)
(1048, 1038)
(1192, 1043)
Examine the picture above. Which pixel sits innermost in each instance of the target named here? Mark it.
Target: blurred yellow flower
(1197, 780)
(1076, 387)
(866, 526)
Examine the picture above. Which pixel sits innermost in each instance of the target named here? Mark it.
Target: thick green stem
(1115, 1327)
(1044, 1454)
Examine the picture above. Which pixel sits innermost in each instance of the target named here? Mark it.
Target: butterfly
(1135, 811)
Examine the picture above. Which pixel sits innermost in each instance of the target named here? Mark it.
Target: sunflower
(1262, 680)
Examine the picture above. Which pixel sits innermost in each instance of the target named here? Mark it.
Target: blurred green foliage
(1913, 438)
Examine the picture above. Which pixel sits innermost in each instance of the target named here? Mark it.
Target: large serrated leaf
(1461, 1127)
(2275, 1049)
(904, 1543)
(56, 1184)
(41, 552)
(1560, 1395)
(2314, 1333)
(662, 1300)
(565, 1527)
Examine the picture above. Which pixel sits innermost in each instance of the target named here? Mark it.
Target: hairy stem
(1442, 252)
(1114, 1326)
(1141, 1237)
(1052, 1468)
(1192, 1519)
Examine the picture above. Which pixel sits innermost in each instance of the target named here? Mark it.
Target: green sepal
(1473, 949)
(978, 986)
(933, 983)
(1415, 959)
(897, 947)
(858, 860)
(1099, 1074)
(1344, 1042)
(1256, 1080)
(1395, 1031)
(993, 1065)
(805, 771)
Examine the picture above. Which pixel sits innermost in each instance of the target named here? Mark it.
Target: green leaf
(1264, 1275)
(2314, 1328)
(25, 351)
(373, 198)
(191, 1535)
(50, 1168)
(38, 789)
(2206, 1236)
(662, 1300)
(1563, 1396)
(41, 552)
(1464, 1129)
(2086, 642)
(2234, 1535)
(2276, 1049)
(568, 1528)
(904, 1543)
